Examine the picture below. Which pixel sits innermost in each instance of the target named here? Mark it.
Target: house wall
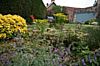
(82, 17)
(71, 11)
(50, 10)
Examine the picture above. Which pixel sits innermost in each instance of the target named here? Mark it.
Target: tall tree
(24, 8)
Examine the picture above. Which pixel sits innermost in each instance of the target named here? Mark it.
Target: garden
(44, 43)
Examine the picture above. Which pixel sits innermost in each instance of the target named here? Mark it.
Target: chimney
(47, 4)
(52, 0)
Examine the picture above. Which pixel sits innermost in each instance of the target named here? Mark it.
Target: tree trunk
(98, 9)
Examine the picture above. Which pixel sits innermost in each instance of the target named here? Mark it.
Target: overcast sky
(72, 3)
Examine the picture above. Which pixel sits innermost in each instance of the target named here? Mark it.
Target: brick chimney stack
(52, 0)
(47, 4)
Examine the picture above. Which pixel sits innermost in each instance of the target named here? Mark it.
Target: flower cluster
(41, 20)
(10, 24)
(61, 18)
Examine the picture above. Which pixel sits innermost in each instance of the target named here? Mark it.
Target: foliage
(57, 9)
(52, 47)
(60, 18)
(89, 22)
(41, 57)
(93, 39)
(40, 24)
(41, 21)
(24, 8)
(98, 20)
(10, 24)
(41, 27)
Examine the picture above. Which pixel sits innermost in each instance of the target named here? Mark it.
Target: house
(84, 14)
(70, 11)
(80, 14)
(50, 6)
(74, 14)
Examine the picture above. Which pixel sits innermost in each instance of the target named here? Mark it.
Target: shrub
(60, 18)
(41, 20)
(57, 9)
(40, 24)
(93, 37)
(91, 21)
(98, 20)
(11, 24)
(25, 8)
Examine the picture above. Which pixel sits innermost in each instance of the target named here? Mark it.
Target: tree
(24, 8)
(57, 9)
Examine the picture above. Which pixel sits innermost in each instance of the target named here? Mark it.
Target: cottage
(50, 6)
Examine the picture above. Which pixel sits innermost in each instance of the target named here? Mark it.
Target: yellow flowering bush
(61, 18)
(10, 24)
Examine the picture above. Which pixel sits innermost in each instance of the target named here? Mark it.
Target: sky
(72, 3)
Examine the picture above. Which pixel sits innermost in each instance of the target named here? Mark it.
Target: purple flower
(55, 50)
(60, 65)
(76, 64)
(89, 59)
(95, 58)
(53, 61)
(83, 62)
(64, 49)
(61, 54)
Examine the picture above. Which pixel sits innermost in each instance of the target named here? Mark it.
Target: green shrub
(98, 20)
(24, 8)
(57, 9)
(93, 37)
(89, 22)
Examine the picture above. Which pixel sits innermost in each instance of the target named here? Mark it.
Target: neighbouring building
(50, 6)
(74, 14)
(70, 11)
(84, 14)
(80, 14)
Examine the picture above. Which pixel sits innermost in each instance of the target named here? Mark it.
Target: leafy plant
(41, 20)
(57, 9)
(24, 8)
(89, 22)
(11, 24)
(60, 18)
